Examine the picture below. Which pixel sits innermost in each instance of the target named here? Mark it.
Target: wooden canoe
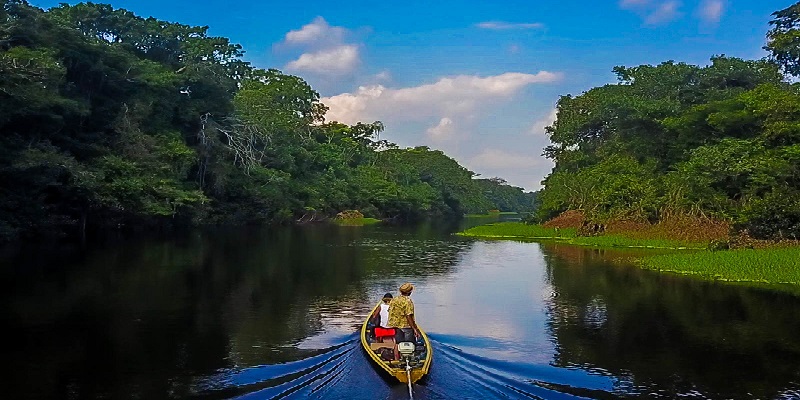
(394, 368)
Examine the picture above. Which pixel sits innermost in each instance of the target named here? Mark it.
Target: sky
(478, 80)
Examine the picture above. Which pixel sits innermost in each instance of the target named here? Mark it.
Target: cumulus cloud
(501, 25)
(457, 115)
(442, 130)
(317, 31)
(383, 76)
(710, 11)
(325, 50)
(452, 96)
(653, 12)
(334, 61)
(665, 12)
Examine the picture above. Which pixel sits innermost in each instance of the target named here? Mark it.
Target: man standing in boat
(401, 317)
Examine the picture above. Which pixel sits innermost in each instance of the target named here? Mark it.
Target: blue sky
(476, 79)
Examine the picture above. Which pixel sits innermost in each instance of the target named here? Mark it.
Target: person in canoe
(383, 331)
(401, 317)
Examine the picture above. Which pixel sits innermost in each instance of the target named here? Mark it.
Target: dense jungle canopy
(110, 119)
(719, 141)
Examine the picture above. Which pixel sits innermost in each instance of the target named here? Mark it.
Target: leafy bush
(776, 216)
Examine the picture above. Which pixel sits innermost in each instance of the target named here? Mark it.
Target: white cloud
(665, 12)
(318, 30)
(501, 25)
(547, 120)
(443, 130)
(324, 50)
(338, 60)
(500, 159)
(458, 115)
(383, 76)
(458, 96)
(710, 11)
(653, 12)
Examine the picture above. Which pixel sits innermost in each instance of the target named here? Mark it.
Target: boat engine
(407, 352)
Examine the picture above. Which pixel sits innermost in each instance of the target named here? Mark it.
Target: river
(259, 313)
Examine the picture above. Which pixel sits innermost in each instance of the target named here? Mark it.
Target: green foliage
(775, 216)
(518, 230)
(459, 192)
(618, 186)
(110, 119)
(783, 40)
(717, 140)
(505, 197)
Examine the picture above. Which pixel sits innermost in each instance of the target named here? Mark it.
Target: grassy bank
(771, 266)
(519, 230)
(491, 214)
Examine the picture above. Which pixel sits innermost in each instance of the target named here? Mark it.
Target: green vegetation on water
(675, 139)
(622, 241)
(491, 214)
(764, 266)
(772, 266)
(519, 230)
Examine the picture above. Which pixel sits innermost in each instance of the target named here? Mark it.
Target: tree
(783, 40)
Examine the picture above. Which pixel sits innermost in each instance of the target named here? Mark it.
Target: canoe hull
(397, 371)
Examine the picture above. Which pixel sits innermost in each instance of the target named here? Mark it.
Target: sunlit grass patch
(517, 230)
(492, 213)
(622, 241)
(355, 221)
(773, 266)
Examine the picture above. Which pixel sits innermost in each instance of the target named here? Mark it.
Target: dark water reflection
(270, 313)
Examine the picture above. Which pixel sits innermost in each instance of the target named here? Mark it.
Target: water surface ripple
(257, 313)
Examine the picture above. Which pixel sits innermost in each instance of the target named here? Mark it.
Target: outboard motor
(406, 350)
(409, 353)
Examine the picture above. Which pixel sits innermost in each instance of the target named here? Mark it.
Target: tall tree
(783, 40)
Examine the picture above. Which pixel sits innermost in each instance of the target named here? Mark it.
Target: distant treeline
(720, 141)
(109, 119)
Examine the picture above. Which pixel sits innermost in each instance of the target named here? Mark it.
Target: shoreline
(770, 265)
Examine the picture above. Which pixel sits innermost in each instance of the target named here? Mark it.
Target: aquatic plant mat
(768, 264)
(519, 230)
(772, 266)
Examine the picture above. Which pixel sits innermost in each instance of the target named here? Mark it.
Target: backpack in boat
(385, 353)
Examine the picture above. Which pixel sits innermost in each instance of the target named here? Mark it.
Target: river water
(260, 313)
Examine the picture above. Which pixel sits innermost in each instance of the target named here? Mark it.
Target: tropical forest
(206, 199)
(110, 120)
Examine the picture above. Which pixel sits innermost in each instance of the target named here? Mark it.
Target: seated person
(382, 330)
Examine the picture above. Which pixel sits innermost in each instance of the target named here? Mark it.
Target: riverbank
(520, 230)
(778, 263)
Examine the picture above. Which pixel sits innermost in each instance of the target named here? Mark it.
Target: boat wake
(343, 371)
